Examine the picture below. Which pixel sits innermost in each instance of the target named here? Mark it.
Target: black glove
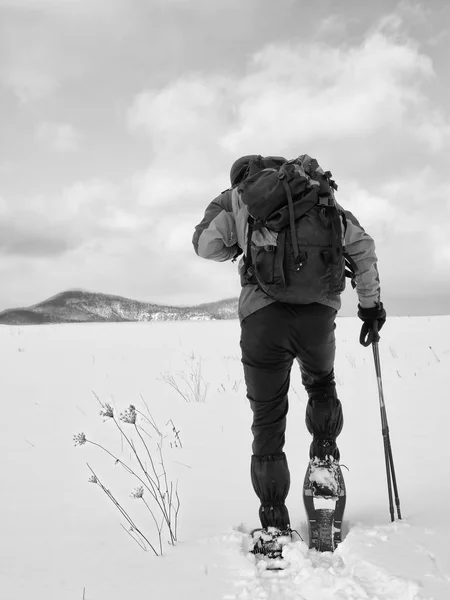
(374, 318)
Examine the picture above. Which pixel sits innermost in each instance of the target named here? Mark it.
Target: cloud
(299, 96)
(40, 47)
(185, 122)
(181, 107)
(27, 63)
(35, 4)
(363, 109)
(29, 82)
(3, 207)
(409, 221)
(84, 213)
(21, 239)
(61, 137)
(321, 93)
(350, 103)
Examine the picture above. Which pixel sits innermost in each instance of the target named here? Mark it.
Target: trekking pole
(389, 459)
(367, 337)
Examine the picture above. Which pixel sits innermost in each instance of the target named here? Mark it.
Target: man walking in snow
(275, 333)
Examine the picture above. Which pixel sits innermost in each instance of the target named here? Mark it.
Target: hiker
(274, 333)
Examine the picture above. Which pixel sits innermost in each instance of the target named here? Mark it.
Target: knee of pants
(267, 392)
(268, 440)
(324, 385)
(265, 385)
(269, 426)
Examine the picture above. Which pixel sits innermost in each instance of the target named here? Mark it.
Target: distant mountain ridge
(77, 306)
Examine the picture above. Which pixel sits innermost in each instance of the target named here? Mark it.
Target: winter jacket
(222, 235)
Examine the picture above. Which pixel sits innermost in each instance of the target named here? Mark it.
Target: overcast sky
(120, 119)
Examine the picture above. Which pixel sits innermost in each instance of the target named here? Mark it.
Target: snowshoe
(324, 498)
(268, 543)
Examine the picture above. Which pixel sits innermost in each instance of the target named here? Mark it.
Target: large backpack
(295, 200)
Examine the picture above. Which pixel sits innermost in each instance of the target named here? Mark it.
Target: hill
(77, 306)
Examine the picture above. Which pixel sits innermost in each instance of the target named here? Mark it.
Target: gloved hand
(374, 318)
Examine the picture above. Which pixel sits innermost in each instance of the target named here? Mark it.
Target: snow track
(314, 576)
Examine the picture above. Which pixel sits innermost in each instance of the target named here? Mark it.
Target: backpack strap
(350, 269)
(239, 251)
(297, 258)
(350, 264)
(248, 270)
(295, 214)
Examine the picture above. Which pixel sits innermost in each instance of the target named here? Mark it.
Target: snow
(61, 537)
(324, 475)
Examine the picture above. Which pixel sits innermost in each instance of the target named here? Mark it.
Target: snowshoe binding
(324, 498)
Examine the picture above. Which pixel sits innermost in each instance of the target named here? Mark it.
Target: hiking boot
(269, 541)
(324, 477)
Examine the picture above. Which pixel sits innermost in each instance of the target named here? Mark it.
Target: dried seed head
(107, 411)
(138, 492)
(129, 415)
(79, 439)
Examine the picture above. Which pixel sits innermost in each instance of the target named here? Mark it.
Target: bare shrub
(189, 384)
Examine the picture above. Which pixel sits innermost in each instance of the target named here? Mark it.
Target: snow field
(61, 537)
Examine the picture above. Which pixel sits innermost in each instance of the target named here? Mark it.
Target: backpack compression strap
(307, 205)
(297, 259)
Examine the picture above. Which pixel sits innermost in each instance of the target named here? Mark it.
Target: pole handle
(369, 333)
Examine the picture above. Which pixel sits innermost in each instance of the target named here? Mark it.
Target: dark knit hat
(239, 167)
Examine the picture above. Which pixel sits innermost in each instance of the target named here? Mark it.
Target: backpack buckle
(249, 273)
(325, 201)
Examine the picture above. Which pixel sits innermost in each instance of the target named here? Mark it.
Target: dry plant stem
(177, 508)
(151, 491)
(124, 465)
(195, 381)
(145, 431)
(158, 495)
(138, 542)
(169, 494)
(147, 420)
(121, 510)
(155, 485)
(167, 505)
(169, 379)
(174, 429)
(97, 398)
(148, 453)
(152, 420)
(435, 355)
(158, 526)
(197, 388)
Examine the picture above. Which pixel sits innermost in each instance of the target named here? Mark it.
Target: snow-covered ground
(61, 537)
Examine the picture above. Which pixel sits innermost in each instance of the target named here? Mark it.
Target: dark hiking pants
(271, 339)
